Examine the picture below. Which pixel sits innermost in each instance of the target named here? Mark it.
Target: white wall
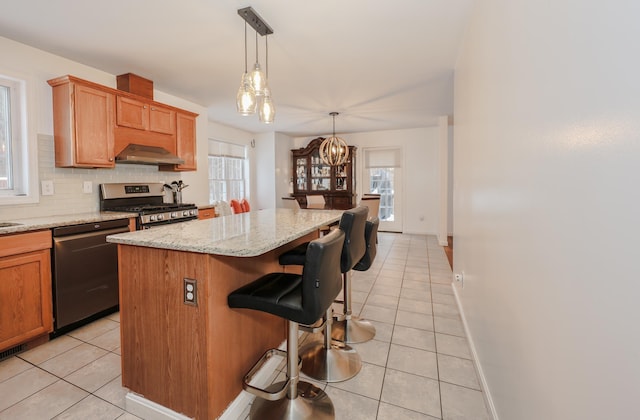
(38, 67)
(547, 151)
(283, 167)
(265, 197)
(421, 171)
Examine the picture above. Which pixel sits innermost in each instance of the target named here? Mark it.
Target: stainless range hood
(147, 155)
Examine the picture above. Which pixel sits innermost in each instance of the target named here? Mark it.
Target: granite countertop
(239, 235)
(48, 222)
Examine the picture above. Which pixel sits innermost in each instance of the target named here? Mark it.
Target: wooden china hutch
(313, 177)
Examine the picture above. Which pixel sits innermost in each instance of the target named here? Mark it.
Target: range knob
(153, 218)
(160, 217)
(174, 215)
(192, 212)
(185, 213)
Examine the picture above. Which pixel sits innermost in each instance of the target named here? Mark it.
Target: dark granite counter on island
(190, 356)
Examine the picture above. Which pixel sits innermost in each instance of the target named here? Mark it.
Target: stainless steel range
(147, 201)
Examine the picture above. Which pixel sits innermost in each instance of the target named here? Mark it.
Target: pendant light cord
(256, 46)
(266, 51)
(334, 124)
(245, 46)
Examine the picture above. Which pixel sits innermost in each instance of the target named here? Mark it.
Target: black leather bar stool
(299, 299)
(332, 361)
(352, 329)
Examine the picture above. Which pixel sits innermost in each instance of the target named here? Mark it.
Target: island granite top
(240, 235)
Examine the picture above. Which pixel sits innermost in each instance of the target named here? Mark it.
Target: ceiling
(381, 65)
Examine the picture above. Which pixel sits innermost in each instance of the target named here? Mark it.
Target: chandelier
(334, 150)
(254, 93)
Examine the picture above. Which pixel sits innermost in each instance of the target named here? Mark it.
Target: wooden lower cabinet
(25, 288)
(208, 213)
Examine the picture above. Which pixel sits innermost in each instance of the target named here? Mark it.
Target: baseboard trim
(476, 361)
(146, 409)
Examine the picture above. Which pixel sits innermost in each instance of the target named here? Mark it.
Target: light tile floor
(417, 367)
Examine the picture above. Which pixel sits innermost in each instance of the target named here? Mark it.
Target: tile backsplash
(68, 197)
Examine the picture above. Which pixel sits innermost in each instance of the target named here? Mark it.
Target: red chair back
(245, 205)
(235, 205)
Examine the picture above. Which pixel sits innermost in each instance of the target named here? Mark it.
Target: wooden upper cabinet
(93, 123)
(142, 115)
(186, 141)
(83, 124)
(162, 120)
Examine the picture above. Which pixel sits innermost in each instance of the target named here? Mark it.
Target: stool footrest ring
(262, 393)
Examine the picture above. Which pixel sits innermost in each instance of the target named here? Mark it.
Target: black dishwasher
(85, 273)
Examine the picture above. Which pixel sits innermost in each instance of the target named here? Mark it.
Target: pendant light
(266, 110)
(254, 91)
(246, 97)
(334, 150)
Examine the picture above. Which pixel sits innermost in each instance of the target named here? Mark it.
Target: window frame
(226, 158)
(24, 141)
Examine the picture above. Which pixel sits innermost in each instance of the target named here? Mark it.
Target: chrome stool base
(352, 330)
(333, 364)
(312, 403)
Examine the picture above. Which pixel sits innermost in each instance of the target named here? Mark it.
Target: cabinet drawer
(24, 242)
(206, 214)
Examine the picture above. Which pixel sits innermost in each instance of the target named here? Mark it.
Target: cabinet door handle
(153, 109)
(144, 107)
(110, 159)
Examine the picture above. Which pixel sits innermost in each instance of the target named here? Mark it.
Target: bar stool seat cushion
(295, 256)
(279, 294)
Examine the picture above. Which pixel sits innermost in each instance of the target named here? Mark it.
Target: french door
(383, 175)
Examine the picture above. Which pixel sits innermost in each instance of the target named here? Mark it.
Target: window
(18, 163)
(382, 166)
(381, 182)
(227, 171)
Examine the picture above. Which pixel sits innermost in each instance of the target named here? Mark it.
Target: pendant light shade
(334, 150)
(258, 79)
(246, 96)
(267, 110)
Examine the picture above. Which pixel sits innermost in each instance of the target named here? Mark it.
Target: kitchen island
(189, 352)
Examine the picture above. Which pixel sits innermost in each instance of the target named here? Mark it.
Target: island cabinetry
(192, 357)
(25, 288)
(311, 176)
(83, 124)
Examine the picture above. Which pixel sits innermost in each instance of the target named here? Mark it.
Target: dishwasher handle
(90, 227)
(97, 233)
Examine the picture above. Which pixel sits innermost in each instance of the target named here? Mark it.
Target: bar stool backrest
(370, 236)
(352, 224)
(321, 277)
